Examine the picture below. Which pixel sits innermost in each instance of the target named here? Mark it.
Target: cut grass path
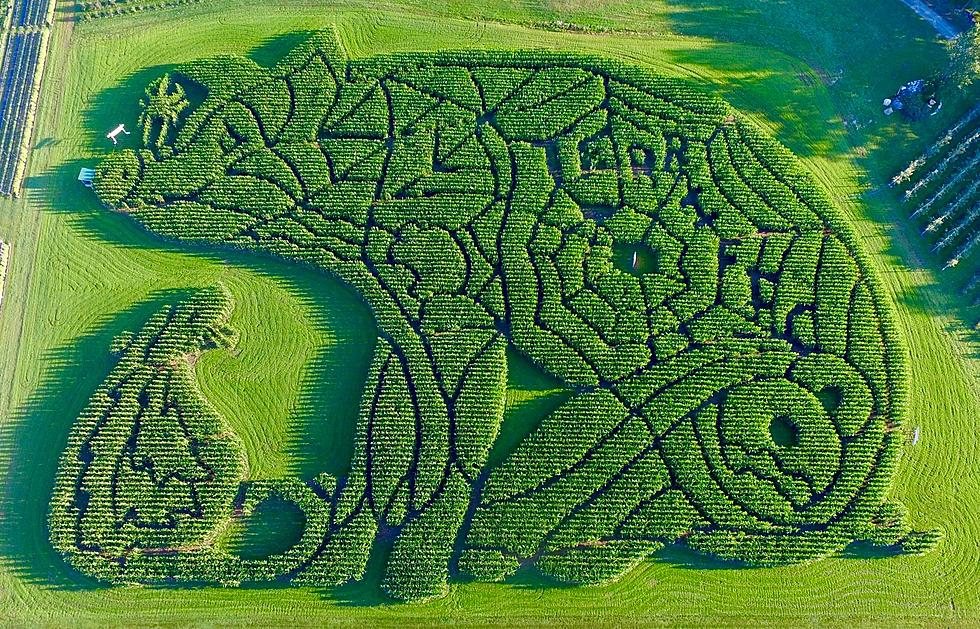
(81, 275)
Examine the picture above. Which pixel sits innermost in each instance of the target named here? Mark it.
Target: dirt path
(938, 22)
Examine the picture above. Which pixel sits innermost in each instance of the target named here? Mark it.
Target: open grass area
(79, 275)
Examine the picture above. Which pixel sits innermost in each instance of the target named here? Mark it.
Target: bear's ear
(324, 44)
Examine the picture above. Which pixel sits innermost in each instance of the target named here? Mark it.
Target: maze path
(742, 395)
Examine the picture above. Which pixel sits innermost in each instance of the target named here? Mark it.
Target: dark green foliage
(161, 109)
(150, 465)
(482, 200)
(151, 472)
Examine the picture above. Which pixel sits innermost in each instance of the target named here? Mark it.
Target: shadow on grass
(34, 440)
(940, 292)
(273, 49)
(322, 426)
(865, 550)
(520, 420)
(275, 526)
(112, 106)
(367, 592)
(786, 100)
(857, 62)
(531, 578)
(682, 556)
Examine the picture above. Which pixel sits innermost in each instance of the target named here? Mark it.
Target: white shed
(86, 176)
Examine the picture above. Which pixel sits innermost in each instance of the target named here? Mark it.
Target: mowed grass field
(80, 275)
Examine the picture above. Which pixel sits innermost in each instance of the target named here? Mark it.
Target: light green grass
(80, 275)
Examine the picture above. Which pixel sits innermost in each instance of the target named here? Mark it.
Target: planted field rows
(20, 75)
(941, 189)
(31, 13)
(735, 382)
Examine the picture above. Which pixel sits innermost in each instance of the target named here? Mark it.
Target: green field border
(78, 275)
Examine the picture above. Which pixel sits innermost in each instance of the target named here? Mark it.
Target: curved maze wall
(740, 392)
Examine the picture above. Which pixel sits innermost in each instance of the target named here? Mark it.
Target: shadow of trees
(36, 437)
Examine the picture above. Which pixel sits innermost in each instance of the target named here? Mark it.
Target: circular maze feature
(735, 381)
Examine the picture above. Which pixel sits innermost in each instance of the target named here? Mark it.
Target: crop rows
(742, 397)
(22, 61)
(941, 144)
(154, 471)
(31, 13)
(942, 190)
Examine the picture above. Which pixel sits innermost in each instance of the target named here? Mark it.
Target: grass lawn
(81, 275)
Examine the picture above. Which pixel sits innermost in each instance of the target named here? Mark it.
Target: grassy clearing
(80, 275)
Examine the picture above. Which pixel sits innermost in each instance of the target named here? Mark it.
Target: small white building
(86, 176)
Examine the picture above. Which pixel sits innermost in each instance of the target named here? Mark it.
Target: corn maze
(942, 189)
(739, 392)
